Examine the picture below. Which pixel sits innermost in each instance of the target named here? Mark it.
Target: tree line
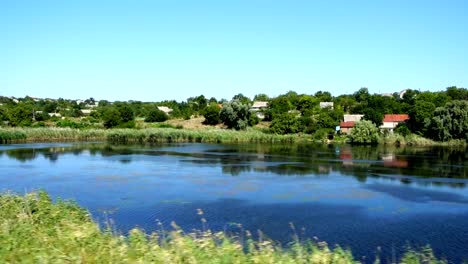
(441, 115)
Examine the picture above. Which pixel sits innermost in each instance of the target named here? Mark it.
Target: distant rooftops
(396, 118)
(347, 124)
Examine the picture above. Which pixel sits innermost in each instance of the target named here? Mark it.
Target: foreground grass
(33, 229)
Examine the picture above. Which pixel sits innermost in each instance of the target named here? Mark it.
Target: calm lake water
(358, 197)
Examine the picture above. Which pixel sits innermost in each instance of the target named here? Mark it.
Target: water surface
(358, 197)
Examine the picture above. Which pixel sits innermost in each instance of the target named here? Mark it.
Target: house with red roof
(346, 126)
(391, 121)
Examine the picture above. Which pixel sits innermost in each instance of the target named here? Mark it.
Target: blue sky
(168, 49)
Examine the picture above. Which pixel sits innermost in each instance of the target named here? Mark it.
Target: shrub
(364, 132)
(235, 115)
(69, 123)
(111, 117)
(253, 119)
(211, 115)
(403, 130)
(285, 124)
(156, 115)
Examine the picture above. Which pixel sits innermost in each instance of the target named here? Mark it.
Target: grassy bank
(168, 134)
(415, 140)
(150, 135)
(33, 229)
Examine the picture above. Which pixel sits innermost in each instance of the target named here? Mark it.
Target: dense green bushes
(156, 115)
(364, 132)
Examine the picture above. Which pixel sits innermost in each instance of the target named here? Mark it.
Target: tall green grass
(149, 135)
(415, 140)
(48, 134)
(208, 136)
(33, 229)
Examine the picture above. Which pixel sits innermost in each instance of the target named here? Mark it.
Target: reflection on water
(360, 162)
(361, 197)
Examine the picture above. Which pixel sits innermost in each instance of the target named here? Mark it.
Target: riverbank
(215, 135)
(149, 135)
(36, 230)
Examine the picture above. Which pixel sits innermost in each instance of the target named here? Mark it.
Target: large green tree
(235, 115)
(449, 122)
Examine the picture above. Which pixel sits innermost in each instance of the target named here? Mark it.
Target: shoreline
(169, 135)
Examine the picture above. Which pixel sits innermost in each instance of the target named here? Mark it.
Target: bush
(111, 117)
(253, 119)
(323, 134)
(235, 115)
(285, 124)
(129, 124)
(364, 132)
(156, 115)
(69, 123)
(403, 130)
(211, 115)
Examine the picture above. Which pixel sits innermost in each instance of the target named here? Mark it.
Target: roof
(260, 104)
(353, 118)
(348, 124)
(396, 118)
(165, 109)
(326, 104)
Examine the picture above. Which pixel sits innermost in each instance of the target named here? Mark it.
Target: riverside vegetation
(172, 134)
(36, 230)
(438, 116)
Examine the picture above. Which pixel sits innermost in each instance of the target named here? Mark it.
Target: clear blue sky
(168, 49)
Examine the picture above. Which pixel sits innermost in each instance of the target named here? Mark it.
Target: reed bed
(207, 136)
(149, 135)
(415, 140)
(47, 134)
(36, 230)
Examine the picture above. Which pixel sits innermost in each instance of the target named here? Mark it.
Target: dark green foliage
(306, 103)
(285, 124)
(362, 95)
(242, 98)
(111, 117)
(235, 115)
(419, 114)
(253, 119)
(323, 134)
(197, 104)
(373, 116)
(278, 106)
(449, 122)
(69, 123)
(126, 113)
(211, 114)
(261, 97)
(457, 93)
(403, 130)
(129, 124)
(21, 115)
(3, 116)
(156, 115)
(364, 132)
(324, 96)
